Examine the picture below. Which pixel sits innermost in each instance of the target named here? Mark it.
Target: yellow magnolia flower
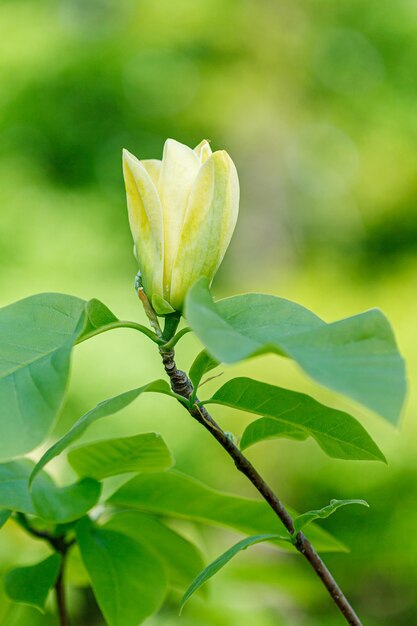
(182, 213)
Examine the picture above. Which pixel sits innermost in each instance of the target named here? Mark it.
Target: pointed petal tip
(128, 158)
(222, 160)
(222, 154)
(203, 150)
(176, 147)
(173, 143)
(205, 143)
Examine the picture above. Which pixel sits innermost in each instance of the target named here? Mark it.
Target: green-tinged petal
(161, 306)
(203, 150)
(180, 165)
(146, 224)
(153, 167)
(208, 225)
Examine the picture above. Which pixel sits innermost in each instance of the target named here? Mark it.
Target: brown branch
(181, 384)
(61, 596)
(60, 545)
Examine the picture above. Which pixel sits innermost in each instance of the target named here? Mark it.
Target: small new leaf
(306, 518)
(202, 364)
(223, 559)
(99, 319)
(97, 316)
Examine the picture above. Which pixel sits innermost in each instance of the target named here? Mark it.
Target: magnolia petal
(145, 219)
(203, 150)
(153, 167)
(180, 165)
(209, 223)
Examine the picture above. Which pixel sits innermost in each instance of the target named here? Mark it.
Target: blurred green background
(315, 102)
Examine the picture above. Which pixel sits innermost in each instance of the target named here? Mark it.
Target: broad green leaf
(52, 503)
(64, 504)
(103, 409)
(31, 585)
(36, 338)
(202, 364)
(337, 433)
(306, 518)
(128, 580)
(146, 452)
(4, 516)
(182, 559)
(223, 559)
(356, 356)
(177, 495)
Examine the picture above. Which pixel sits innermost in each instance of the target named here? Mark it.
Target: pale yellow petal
(203, 150)
(146, 224)
(153, 167)
(208, 226)
(180, 165)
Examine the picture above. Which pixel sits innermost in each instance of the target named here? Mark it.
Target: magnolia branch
(61, 545)
(181, 385)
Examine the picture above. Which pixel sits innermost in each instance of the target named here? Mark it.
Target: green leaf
(223, 559)
(269, 428)
(356, 356)
(337, 433)
(306, 518)
(75, 573)
(103, 409)
(36, 338)
(99, 319)
(202, 364)
(64, 504)
(128, 580)
(177, 495)
(52, 503)
(31, 585)
(146, 452)
(4, 516)
(14, 486)
(182, 559)
(97, 316)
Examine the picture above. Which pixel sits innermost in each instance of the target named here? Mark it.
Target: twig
(61, 545)
(181, 384)
(61, 596)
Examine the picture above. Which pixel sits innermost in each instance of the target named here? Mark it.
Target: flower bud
(182, 213)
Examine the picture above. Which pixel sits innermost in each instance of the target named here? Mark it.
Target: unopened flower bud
(182, 213)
